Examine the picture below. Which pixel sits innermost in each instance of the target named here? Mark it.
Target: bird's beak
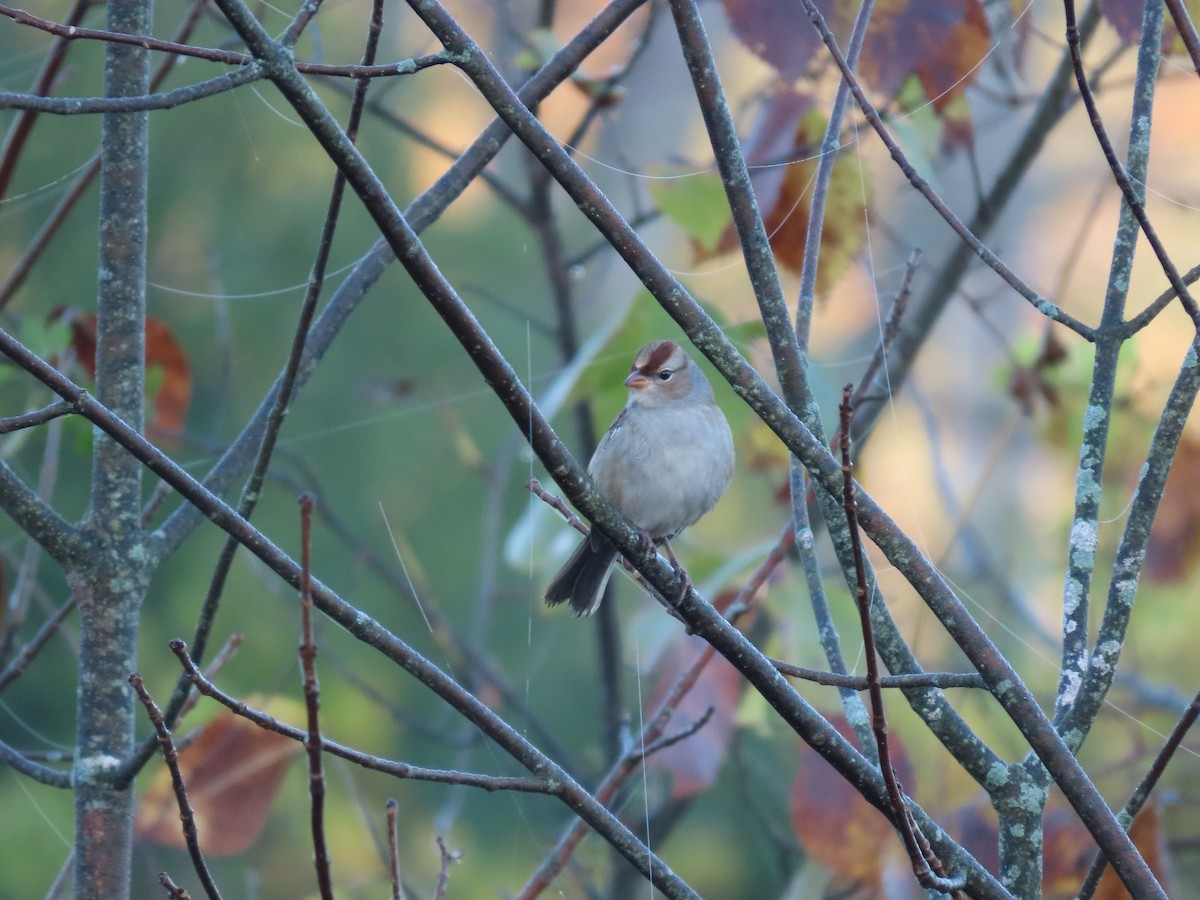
(636, 380)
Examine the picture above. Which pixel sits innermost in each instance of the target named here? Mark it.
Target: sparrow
(664, 462)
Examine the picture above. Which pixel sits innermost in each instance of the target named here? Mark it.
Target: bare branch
(228, 57)
(1132, 196)
(206, 687)
(22, 660)
(190, 834)
(928, 868)
(38, 519)
(394, 850)
(174, 891)
(37, 417)
(941, 680)
(312, 703)
(43, 774)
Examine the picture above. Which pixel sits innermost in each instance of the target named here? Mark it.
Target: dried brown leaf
(232, 771)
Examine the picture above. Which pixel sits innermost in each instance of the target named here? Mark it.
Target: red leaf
(939, 41)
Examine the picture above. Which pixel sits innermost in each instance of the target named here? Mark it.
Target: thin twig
(366, 761)
(940, 680)
(672, 739)
(229, 57)
(90, 106)
(174, 891)
(37, 417)
(394, 849)
(1119, 174)
(49, 628)
(1142, 792)
(312, 704)
(21, 762)
(926, 866)
(448, 857)
(171, 757)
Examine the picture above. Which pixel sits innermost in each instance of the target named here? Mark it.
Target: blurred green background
(407, 447)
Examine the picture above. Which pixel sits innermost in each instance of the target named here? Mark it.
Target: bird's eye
(665, 375)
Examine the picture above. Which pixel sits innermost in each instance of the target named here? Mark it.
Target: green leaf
(45, 338)
(696, 202)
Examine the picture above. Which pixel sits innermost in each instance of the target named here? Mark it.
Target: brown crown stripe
(656, 356)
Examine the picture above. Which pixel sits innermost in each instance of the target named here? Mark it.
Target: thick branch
(38, 519)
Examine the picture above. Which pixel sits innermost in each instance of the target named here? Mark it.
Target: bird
(664, 462)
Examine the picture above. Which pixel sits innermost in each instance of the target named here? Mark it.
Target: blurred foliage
(409, 449)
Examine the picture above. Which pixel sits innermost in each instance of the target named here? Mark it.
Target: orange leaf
(232, 772)
(83, 338)
(836, 826)
(174, 393)
(1150, 841)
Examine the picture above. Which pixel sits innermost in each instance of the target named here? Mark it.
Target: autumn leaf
(174, 394)
(836, 826)
(782, 153)
(1067, 852)
(232, 771)
(939, 42)
(1125, 16)
(172, 385)
(778, 32)
(693, 763)
(1148, 837)
(1175, 536)
(1031, 385)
